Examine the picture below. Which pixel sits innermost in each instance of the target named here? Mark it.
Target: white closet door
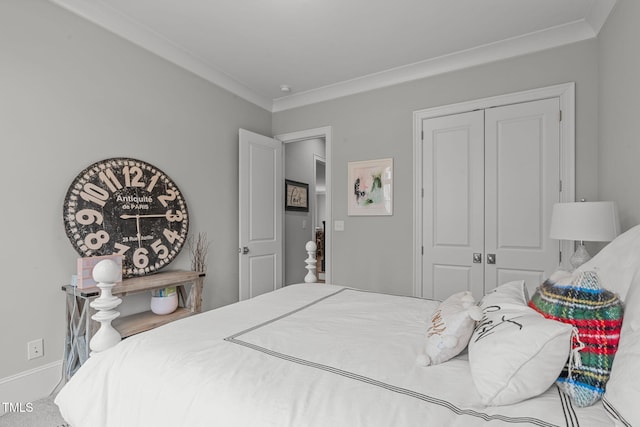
(453, 204)
(522, 175)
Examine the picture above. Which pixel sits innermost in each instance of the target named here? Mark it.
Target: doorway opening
(307, 157)
(320, 215)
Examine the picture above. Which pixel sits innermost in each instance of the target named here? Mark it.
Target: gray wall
(299, 166)
(71, 94)
(619, 110)
(376, 252)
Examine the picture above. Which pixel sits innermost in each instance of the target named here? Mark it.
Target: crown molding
(599, 13)
(516, 46)
(104, 16)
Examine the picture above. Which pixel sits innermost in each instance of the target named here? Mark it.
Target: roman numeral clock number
(127, 207)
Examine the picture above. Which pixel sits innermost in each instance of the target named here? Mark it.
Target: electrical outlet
(35, 349)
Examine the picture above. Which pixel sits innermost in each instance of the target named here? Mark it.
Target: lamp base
(580, 256)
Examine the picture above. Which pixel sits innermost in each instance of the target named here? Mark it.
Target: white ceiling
(325, 49)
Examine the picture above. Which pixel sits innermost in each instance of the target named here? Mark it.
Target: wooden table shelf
(80, 326)
(140, 322)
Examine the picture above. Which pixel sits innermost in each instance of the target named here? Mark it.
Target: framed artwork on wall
(296, 196)
(370, 187)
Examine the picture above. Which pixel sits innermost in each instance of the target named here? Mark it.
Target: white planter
(164, 305)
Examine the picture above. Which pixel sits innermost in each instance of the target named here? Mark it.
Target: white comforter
(306, 355)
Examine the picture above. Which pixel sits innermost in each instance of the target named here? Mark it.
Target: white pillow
(617, 263)
(450, 328)
(515, 353)
(622, 394)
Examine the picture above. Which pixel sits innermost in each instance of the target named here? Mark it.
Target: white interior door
(490, 179)
(522, 164)
(453, 204)
(260, 223)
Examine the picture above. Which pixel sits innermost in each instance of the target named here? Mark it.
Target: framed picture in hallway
(296, 196)
(370, 187)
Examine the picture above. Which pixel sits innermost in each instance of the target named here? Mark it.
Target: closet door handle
(477, 258)
(491, 258)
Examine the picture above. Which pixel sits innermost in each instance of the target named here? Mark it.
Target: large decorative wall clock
(128, 207)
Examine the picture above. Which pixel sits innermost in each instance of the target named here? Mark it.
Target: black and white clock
(128, 207)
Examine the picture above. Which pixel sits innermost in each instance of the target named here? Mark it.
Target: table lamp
(584, 221)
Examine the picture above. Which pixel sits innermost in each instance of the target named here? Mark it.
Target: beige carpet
(45, 414)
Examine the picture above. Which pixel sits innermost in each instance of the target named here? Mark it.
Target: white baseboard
(30, 385)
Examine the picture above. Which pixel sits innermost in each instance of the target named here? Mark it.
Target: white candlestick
(311, 262)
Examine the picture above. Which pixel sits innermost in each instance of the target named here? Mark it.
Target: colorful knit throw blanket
(596, 315)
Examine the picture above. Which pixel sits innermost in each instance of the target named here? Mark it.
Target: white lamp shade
(585, 221)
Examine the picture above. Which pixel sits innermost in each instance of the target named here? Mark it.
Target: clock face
(127, 207)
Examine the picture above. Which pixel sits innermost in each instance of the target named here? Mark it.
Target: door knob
(243, 250)
(491, 258)
(477, 258)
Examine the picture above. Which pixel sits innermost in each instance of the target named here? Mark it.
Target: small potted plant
(164, 301)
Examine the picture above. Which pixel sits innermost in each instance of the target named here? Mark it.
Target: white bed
(305, 355)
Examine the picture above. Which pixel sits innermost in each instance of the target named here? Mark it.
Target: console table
(80, 327)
